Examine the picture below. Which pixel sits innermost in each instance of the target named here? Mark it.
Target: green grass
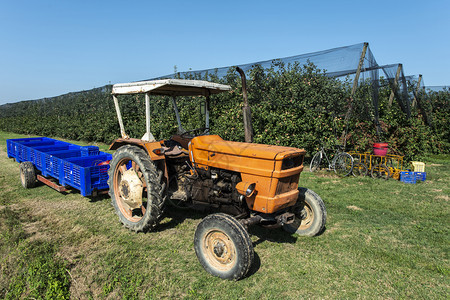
(383, 239)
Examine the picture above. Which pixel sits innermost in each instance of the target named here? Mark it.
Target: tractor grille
(287, 184)
(292, 162)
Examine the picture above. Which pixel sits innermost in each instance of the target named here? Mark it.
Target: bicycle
(341, 162)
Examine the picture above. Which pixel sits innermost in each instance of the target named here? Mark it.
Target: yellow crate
(418, 166)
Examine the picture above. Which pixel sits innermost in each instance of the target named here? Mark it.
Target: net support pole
(417, 91)
(395, 84)
(355, 86)
(358, 70)
(417, 101)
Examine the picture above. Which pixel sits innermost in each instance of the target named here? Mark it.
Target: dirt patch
(336, 227)
(81, 271)
(442, 197)
(353, 207)
(35, 231)
(326, 174)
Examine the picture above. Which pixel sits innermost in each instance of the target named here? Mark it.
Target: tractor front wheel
(310, 214)
(137, 188)
(223, 246)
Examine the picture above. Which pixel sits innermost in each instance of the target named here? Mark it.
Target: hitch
(286, 218)
(274, 221)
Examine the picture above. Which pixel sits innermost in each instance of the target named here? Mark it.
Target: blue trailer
(60, 164)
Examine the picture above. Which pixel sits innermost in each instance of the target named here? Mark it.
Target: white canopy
(171, 87)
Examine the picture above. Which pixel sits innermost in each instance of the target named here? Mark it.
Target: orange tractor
(245, 183)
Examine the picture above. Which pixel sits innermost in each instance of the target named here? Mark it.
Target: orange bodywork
(159, 159)
(148, 146)
(276, 184)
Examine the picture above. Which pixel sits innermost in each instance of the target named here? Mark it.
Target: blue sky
(48, 48)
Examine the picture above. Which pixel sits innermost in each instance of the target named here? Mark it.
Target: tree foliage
(292, 105)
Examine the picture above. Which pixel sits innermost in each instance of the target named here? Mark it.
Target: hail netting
(339, 62)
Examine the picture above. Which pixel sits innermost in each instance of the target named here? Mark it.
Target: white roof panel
(170, 87)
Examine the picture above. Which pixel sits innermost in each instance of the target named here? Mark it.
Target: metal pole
(207, 112)
(147, 114)
(395, 84)
(247, 114)
(177, 115)
(119, 117)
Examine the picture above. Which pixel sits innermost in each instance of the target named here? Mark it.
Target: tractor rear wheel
(310, 214)
(223, 246)
(27, 174)
(137, 188)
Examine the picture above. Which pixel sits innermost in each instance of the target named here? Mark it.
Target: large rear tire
(137, 189)
(310, 214)
(223, 246)
(27, 174)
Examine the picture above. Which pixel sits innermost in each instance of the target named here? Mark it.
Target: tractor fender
(150, 147)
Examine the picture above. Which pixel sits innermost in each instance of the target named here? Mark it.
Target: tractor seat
(183, 141)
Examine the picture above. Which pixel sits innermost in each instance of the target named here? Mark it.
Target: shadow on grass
(98, 198)
(256, 264)
(178, 216)
(275, 235)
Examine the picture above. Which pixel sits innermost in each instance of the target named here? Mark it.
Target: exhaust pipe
(248, 129)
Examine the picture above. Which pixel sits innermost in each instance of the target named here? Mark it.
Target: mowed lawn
(383, 239)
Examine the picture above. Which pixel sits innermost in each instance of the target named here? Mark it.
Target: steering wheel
(195, 132)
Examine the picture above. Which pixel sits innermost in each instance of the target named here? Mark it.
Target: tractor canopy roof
(171, 87)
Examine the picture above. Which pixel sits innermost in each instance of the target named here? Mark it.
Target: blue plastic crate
(408, 177)
(70, 164)
(420, 176)
(89, 151)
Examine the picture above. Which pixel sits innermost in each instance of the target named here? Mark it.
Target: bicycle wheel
(315, 162)
(343, 164)
(360, 169)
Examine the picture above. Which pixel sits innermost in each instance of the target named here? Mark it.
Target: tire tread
(155, 191)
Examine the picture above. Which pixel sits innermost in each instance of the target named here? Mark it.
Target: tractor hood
(215, 144)
(257, 159)
(274, 170)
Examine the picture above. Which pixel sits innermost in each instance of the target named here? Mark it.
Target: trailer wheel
(27, 174)
(137, 189)
(310, 214)
(380, 171)
(223, 247)
(359, 170)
